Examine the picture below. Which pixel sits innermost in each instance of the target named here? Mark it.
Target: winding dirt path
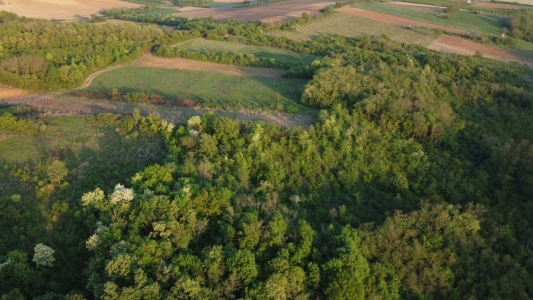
(58, 103)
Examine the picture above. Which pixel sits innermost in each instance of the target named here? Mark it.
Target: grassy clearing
(483, 24)
(57, 133)
(207, 89)
(352, 26)
(284, 56)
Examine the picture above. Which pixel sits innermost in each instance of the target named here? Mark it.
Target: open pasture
(464, 21)
(274, 12)
(280, 55)
(61, 9)
(207, 88)
(353, 26)
(57, 133)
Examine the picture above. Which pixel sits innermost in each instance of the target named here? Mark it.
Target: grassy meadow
(207, 89)
(280, 55)
(353, 26)
(56, 133)
(476, 23)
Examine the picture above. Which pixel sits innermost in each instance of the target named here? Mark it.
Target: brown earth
(61, 9)
(194, 65)
(8, 92)
(274, 12)
(393, 20)
(447, 43)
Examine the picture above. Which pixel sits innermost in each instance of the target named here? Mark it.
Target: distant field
(526, 2)
(259, 52)
(61, 9)
(485, 24)
(352, 26)
(60, 132)
(274, 12)
(210, 89)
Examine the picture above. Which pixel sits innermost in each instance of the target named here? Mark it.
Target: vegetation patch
(482, 24)
(209, 89)
(352, 26)
(279, 55)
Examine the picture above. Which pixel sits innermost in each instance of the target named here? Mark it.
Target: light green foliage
(56, 172)
(346, 274)
(243, 265)
(43, 255)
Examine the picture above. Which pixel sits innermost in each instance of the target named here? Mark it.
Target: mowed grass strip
(352, 26)
(59, 132)
(475, 23)
(280, 55)
(208, 89)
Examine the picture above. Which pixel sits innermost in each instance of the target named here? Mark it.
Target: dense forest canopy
(414, 182)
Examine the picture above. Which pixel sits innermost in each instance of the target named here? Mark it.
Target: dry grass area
(271, 13)
(498, 6)
(447, 43)
(8, 92)
(194, 65)
(55, 105)
(393, 20)
(61, 9)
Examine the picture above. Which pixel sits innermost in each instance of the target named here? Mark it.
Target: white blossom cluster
(121, 195)
(256, 137)
(43, 255)
(7, 262)
(296, 199)
(95, 240)
(418, 153)
(194, 132)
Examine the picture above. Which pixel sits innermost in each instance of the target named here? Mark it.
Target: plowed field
(61, 9)
(274, 12)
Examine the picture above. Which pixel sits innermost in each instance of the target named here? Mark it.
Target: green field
(280, 55)
(207, 89)
(352, 26)
(476, 23)
(57, 133)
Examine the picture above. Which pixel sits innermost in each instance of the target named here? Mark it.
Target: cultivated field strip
(352, 26)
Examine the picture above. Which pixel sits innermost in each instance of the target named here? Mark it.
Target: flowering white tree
(121, 195)
(43, 256)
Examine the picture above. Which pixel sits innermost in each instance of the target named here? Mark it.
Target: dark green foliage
(192, 2)
(414, 183)
(521, 25)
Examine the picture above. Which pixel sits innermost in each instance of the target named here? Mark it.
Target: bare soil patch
(194, 65)
(61, 9)
(498, 6)
(8, 92)
(393, 20)
(447, 43)
(274, 12)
